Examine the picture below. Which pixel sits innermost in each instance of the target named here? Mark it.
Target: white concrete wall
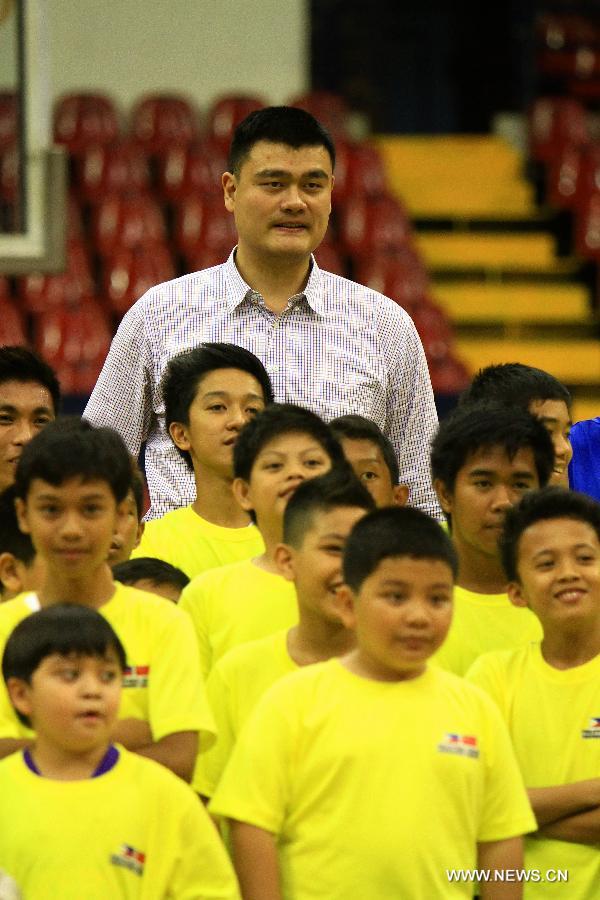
(199, 47)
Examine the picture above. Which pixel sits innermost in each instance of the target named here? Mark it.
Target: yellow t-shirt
(481, 623)
(553, 717)
(137, 831)
(236, 604)
(374, 789)
(234, 687)
(184, 539)
(162, 684)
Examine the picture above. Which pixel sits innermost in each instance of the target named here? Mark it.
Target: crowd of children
(288, 678)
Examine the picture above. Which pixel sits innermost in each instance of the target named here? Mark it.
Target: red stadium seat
(127, 222)
(206, 257)
(202, 224)
(226, 114)
(330, 110)
(75, 342)
(330, 259)
(9, 173)
(12, 329)
(366, 175)
(557, 31)
(160, 120)
(401, 276)
(9, 118)
(75, 227)
(129, 273)
(119, 168)
(366, 225)
(40, 292)
(185, 171)
(554, 123)
(562, 175)
(5, 292)
(448, 375)
(434, 330)
(587, 229)
(84, 119)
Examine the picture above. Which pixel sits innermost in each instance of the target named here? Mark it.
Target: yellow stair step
(571, 361)
(466, 302)
(534, 252)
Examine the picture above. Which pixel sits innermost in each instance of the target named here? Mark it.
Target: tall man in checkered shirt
(329, 344)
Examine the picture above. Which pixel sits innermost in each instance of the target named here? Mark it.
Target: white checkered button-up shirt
(337, 348)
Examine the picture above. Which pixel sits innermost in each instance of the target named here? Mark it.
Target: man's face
(25, 408)
(556, 418)
(281, 201)
(486, 486)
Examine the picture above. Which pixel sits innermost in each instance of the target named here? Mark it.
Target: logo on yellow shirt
(129, 858)
(459, 745)
(593, 729)
(136, 676)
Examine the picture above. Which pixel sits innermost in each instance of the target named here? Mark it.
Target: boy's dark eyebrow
(580, 546)
(479, 472)
(226, 394)
(552, 420)
(281, 452)
(9, 407)
(397, 582)
(283, 173)
(97, 495)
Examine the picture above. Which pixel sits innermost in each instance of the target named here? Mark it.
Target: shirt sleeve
(211, 764)
(487, 673)
(411, 417)
(203, 869)
(177, 693)
(195, 600)
(121, 398)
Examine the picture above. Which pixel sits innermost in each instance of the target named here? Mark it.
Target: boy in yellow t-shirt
(483, 459)
(373, 458)
(71, 481)
(274, 454)
(374, 775)
(209, 393)
(80, 816)
(549, 692)
(153, 575)
(316, 523)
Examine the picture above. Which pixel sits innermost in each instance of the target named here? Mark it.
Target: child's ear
(400, 494)
(515, 594)
(284, 560)
(10, 574)
(21, 511)
(444, 495)
(139, 534)
(344, 604)
(19, 692)
(179, 436)
(241, 492)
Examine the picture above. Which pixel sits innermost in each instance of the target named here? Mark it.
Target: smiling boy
(209, 393)
(484, 459)
(549, 692)
(72, 480)
(79, 815)
(371, 776)
(278, 450)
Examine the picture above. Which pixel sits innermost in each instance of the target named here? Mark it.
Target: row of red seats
(568, 54)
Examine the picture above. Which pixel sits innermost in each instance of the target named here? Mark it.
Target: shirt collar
(239, 290)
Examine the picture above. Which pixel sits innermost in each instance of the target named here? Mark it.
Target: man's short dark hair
(516, 385)
(12, 539)
(148, 568)
(337, 488)
(484, 425)
(65, 628)
(278, 125)
(391, 533)
(185, 371)
(358, 428)
(72, 448)
(538, 506)
(22, 364)
(279, 419)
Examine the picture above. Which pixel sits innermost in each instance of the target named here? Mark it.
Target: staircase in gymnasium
(492, 255)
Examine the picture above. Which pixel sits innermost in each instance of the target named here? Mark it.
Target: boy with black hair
(316, 523)
(549, 692)
(81, 817)
(275, 452)
(209, 393)
(375, 774)
(371, 455)
(153, 575)
(71, 482)
(20, 567)
(484, 458)
(29, 399)
(130, 524)
(525, 387)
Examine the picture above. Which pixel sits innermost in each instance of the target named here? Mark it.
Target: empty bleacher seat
(226, 114)
(130, 272)
(400, 275)
(186, 170)
(75, 342)
(330, 110)
(127, 222)
(12, 329)
(84, 119)
(202, 223)
(554, 123)
(118, 168)
(39, 292)
(160, 120)
(366, 224)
